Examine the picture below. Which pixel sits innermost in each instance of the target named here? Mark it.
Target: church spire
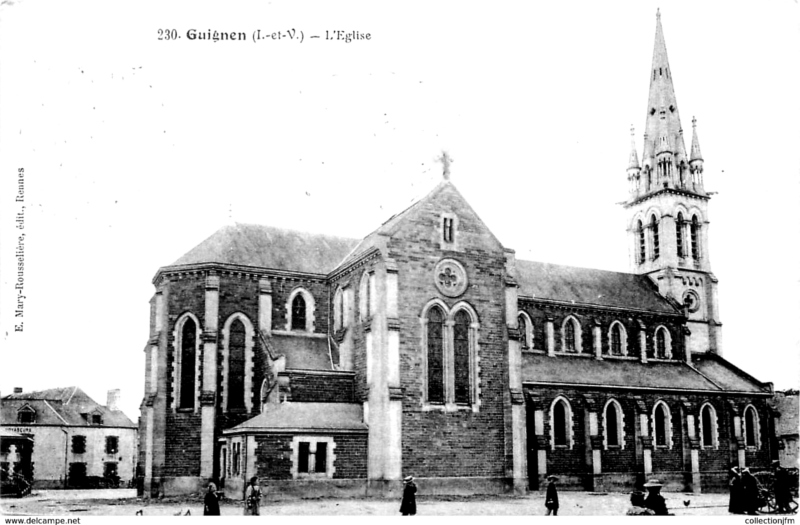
(665, 163)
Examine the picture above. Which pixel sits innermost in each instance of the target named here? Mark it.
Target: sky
(136, 149)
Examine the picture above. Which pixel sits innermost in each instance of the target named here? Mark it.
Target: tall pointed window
(679, 235)
(661, 343)
(461, 357)
(569, 336)
(694, 229)
(616, 340)
(187, 364)
(661, 425)
(751, 426)
(612, 424)
(708, 425)
(560, 429)
(654, 228)
(642, 243)
(236, 368)
(299, 313)
(435, 355)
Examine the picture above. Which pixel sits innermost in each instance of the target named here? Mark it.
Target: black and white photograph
(357, 258)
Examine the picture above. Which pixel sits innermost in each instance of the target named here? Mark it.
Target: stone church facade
(330, 365)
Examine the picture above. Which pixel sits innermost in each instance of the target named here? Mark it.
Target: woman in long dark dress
(211, 501)
(751, 492)
(736, 504)
(408, 507)
(551, 497)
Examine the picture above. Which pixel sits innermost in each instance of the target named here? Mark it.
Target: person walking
(654, 500)
(408, 506)
(211, 501)
(551, 496)
(252, 498)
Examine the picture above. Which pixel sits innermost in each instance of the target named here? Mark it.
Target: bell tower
(668, 209)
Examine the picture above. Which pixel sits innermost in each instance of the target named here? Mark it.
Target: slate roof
(587, 371)
(269, 247)
(302, 353)
(307, 417)
(589, 286)
(62, 407)
(725, 373)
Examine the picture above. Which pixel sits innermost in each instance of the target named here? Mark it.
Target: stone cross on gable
(446, 161)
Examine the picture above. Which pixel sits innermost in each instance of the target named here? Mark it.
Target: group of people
(746, 496)
(252, 499)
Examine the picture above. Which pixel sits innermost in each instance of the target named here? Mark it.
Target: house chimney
(113, 399)
(17, 389)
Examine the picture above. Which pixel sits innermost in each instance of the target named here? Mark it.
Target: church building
(326, 365)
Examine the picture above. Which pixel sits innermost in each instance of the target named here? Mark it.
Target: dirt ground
(124, 503)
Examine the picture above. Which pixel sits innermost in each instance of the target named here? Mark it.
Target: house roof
(269, 247)
(306, 417)
(555, 282)
(302, 353)
(69, 406)
(587, 371)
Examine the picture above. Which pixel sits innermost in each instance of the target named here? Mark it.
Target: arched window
(561, 426)
(236, 362)
(642, 244)
(661, 425)
(525, 331)
(299, 312)
(435, 355)
(654, 228)
(661, 344)
(751, 427)
(708, 426)
(694, 230)
(571, 336)
(461, 357)
(679, 231)
(612, 423)
(616, 339)
(187, 363)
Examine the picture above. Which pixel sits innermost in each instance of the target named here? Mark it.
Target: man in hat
(408, 507)
(780, 485)
(551, 497)
(654, 500)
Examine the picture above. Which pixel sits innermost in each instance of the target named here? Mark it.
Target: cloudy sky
(136, 148)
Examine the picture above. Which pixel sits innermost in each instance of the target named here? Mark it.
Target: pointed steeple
(695, 155)
(664, 160)
(633, 160)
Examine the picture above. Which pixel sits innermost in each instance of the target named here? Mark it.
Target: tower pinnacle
(633, 161)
